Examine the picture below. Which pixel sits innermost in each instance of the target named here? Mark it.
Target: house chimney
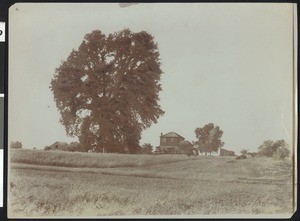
(161, 134)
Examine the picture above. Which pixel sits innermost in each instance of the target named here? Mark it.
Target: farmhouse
(224, 152)
(57, 146)
(173, 143)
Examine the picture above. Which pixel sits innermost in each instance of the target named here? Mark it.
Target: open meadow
(55, 183)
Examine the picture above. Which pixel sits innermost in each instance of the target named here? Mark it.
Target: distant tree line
(277, 149)
(209, 140)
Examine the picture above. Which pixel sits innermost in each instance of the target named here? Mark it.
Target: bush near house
(146, 148)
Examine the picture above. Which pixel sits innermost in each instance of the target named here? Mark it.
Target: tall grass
(178, 166)
(49, 193)
(92, 160)
(122, 184)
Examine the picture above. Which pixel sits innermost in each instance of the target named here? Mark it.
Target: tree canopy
(107, 91)
(209, 138)
(278, 149)
(146, 148)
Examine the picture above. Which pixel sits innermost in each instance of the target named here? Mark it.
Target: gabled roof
(172, 134)
(59, 143)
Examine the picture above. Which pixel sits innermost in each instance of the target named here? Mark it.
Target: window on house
(164, 139)
(172, 139)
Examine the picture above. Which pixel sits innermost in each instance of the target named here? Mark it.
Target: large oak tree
(107, 91)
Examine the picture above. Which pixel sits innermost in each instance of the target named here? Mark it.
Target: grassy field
(88, 160)
(81, 184)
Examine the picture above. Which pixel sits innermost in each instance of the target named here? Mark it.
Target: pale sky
(229, 64)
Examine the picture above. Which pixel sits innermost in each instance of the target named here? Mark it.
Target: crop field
(60, 184)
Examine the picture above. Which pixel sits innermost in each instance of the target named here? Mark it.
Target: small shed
(224, 152)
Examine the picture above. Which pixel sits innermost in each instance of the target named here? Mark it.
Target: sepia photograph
(152, 110)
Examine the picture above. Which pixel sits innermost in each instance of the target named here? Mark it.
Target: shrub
(281, 153)
(278, 149)
(244, 152)
(146, 148)
(241, 157)
(15, 145)
(253, 154)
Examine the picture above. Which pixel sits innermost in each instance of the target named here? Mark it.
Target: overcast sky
(229, 64)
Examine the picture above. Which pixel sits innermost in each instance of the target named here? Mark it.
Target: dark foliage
(209, 138)
(278, 149)
(241, 157)
(146, 148)
(107, 91)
